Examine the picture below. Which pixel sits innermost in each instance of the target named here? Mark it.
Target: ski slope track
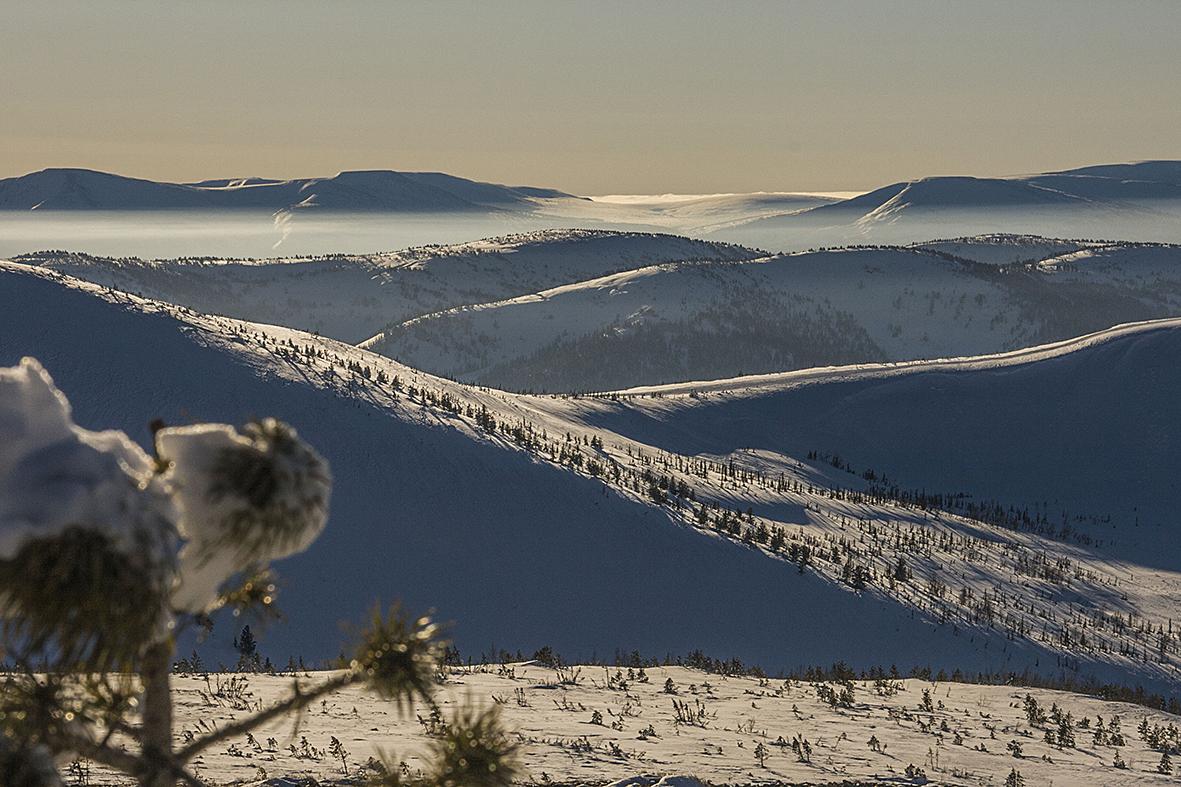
(596, 524)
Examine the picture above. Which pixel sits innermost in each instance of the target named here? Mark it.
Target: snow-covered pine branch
(105, 551)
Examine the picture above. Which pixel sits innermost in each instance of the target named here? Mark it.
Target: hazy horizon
(604, 98)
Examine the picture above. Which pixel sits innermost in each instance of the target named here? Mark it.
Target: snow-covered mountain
(942, 193)
(522, 518)
(1144, 181)
(351, 297)
(372, 190)
(685, 321)
(1015, 427)
(1140, 200)
(104, 213)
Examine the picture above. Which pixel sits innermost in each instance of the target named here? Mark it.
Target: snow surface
(505, 533)
(639, 741)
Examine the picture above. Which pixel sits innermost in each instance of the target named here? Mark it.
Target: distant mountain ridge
(1068, 202)
(350, 297)
(362, 190)
(1102, 185)
(1146, 180)
(704, 320)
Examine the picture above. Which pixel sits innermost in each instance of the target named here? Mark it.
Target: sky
(590, 97)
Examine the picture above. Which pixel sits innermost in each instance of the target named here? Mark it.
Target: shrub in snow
(106, 553)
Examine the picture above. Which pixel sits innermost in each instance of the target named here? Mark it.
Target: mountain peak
(65, 188)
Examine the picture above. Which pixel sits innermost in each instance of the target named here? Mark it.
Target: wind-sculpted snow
(591, 525)
(352, 297)
(715, 320)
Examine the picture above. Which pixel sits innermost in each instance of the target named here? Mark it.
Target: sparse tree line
(900, 561)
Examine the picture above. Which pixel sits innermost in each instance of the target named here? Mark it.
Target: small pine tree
(94, 607)
(1014, 779)
(1033, 712)
(1165, 765)
(247, 647)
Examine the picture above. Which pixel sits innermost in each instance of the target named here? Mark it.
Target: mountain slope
(527, 537)
(1124, 200)
(701, 321)
(351, 297)
(1146, 181)
(1006, 249)
(374, 190)
(929, 197)
(1141, 171)
(1088, 426)
(946, 193)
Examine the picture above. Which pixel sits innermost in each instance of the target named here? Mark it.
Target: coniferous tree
(247, 647)
(93, 597)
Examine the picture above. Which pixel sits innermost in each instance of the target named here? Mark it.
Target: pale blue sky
(590, 97)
